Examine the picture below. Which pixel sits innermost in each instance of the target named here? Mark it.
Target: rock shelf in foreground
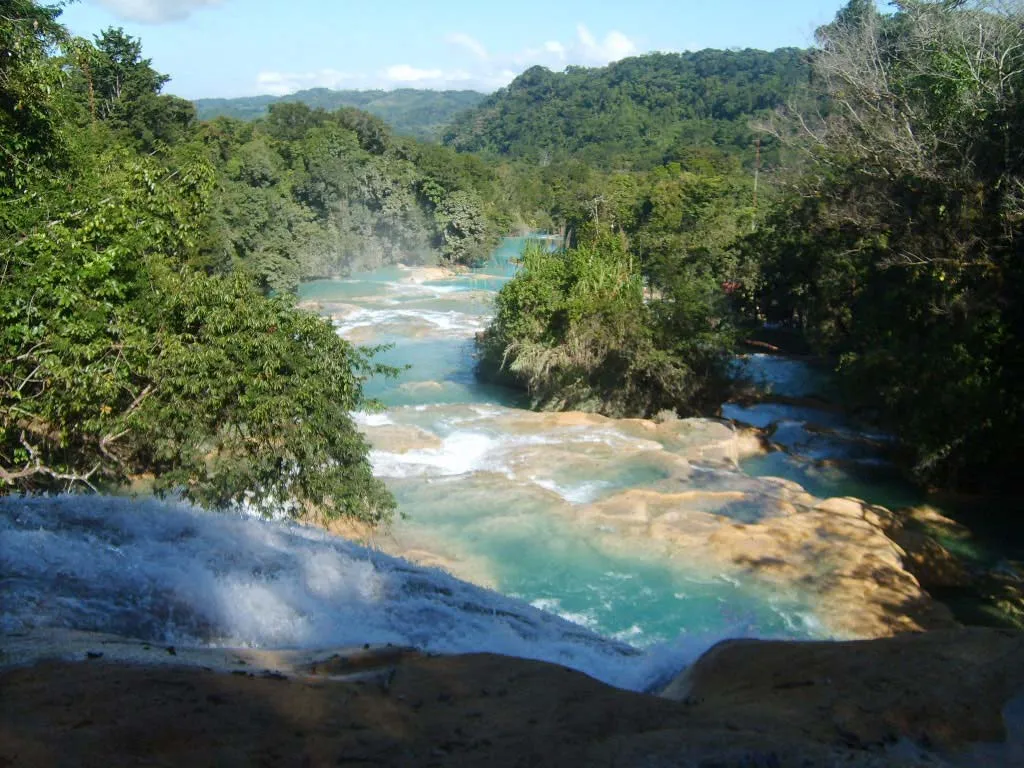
(942, 698)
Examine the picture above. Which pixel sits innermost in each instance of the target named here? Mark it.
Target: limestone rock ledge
(946, 698)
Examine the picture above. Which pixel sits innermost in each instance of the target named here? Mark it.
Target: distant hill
(409, 111)
(638, 112)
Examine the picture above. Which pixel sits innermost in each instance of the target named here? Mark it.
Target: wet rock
(944, 689)
(425, 274)
(836, 553)
(933, 565)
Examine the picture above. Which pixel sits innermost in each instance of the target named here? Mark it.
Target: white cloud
(471, 44)
(395, 76)
(615, 46)
(555, 47)
(155, 11)
(586, 39)
(585, 49)
(487, 72)
(282, 83)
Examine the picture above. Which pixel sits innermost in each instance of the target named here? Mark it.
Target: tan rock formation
(836, 553)
(945, 689)
(426, 274)
(935, 699)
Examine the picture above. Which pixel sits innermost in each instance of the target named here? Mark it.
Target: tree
(572, 329)
(907, 228)
(119, 73)
(118, 358)
(30, 130)
(463, 228)
(123, 90)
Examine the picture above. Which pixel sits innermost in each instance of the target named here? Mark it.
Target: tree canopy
(121, 358)
(307, 193)
(421, 114)
(636, 113)
(897, 252)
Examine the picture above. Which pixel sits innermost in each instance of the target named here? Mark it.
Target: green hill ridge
(639, 112)
(415, 112)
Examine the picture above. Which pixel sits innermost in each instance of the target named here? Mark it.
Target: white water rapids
(168, 573)
(536, 505)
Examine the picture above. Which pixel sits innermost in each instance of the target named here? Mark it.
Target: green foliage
(420, 114)
(640, 112)
(251, 402)
(307, 193)
(122, 90)
(898, 253)
(573, 329)
(459, 216)
(30, 129)
(118, 358)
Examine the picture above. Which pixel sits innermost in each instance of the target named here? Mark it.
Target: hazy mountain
(409, 111)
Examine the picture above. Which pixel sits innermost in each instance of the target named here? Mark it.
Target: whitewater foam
(450, 323)
(583, 493)
(170, 573)
(459, 454)
(364, 419)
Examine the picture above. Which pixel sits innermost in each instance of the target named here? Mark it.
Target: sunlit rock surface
(642, 531)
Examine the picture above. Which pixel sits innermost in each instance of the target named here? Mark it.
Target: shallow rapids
(533, 505)
(621, 548)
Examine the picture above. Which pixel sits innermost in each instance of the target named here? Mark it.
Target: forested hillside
(309, 193)
(419, 113)
(889, 244)
(149, 328)
(636, 113)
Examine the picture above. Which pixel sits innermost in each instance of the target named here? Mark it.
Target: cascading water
(515, 500)
(498, 494)
(172, 574)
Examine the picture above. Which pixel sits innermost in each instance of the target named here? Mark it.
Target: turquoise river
(503, 497)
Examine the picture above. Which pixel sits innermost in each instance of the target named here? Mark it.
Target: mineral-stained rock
(948, 698)
(836, 552)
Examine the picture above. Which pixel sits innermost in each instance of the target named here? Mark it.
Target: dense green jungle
(412, 112)
(860, 202)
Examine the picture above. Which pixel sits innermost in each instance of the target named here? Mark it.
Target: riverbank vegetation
(307, 193)
(887, 235)
(574, 330)
(897, 252)
(865, 195)
(127, 347)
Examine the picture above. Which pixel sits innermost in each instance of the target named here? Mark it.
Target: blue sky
(245, 47)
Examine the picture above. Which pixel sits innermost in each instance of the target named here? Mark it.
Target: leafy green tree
(119, 73)
(117, 358)
(30, 130)
(123, 90)
(460, 218)
(899, 252)
(573, 330)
